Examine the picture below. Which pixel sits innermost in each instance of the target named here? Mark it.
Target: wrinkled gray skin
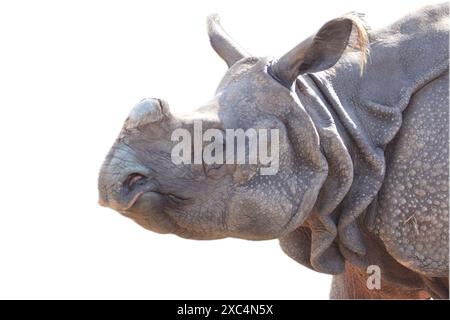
(363, 174)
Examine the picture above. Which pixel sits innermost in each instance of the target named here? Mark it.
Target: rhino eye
(133, 180)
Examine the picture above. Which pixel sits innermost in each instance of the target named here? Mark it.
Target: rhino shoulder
(412, 215)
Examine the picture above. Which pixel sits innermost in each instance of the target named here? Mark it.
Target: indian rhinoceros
(362, 170)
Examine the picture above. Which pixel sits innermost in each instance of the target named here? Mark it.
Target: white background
(69, 73)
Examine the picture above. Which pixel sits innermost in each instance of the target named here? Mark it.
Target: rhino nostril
(134, 180)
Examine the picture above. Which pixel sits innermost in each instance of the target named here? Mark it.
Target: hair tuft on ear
(359, 38)
(324, 49)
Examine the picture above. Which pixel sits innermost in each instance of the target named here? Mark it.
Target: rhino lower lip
(151, 185)
(134, 199)
(132, 202)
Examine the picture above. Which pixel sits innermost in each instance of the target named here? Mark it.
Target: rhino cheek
(257, 214)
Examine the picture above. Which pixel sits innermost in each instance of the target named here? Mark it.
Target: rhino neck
(355, 173)
(357, 162)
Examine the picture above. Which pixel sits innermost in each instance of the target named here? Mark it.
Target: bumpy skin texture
(412, 218)
(363, 166)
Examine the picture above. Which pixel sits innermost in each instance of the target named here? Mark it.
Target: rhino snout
(123, 179)
(123, 193)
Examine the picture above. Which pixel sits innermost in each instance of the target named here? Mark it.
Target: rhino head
(202, 200)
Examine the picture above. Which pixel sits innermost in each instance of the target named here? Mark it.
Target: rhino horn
(222, 43)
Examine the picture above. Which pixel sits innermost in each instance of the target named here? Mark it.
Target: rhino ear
(322, 50)
(222, 43)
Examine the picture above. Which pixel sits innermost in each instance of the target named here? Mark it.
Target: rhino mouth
(136, 185)
(149, 205)
(133, 200)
